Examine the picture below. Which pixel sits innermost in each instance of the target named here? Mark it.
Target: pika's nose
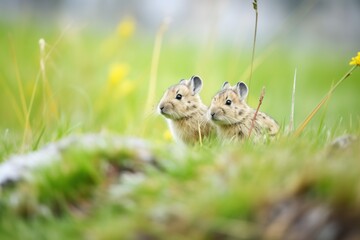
(161, 107)
(212, 115)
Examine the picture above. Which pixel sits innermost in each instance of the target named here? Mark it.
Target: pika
(233, 117)
(184, 111)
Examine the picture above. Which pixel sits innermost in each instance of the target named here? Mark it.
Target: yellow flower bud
(167, 135)
(355, 60)
(126, 28)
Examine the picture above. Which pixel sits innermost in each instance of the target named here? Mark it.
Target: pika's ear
(242, 89)
(182, 81)
(195, 85)
(226, 85)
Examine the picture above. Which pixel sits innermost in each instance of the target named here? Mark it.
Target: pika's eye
(178, 97)
(228, 102)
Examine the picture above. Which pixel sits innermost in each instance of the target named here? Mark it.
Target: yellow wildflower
(126, 27)
(355, 60)
(117, 73)
(167, 135)
(126, 87)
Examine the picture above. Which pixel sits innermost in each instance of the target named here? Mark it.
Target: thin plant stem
(200, 137)
(258, 61)
(48, 95)
(255, 6)
(257, 110)
(321, 103)
(292, 111)
(43, 59)
(58, 40)
(42, 66)
(18, 78)
(273, 44)
(155, 64)
(12, 99)
(27, 127)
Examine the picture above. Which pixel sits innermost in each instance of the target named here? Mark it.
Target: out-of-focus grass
(99, 83)
(196, 193)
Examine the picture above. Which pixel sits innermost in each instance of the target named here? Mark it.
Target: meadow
(109, 83)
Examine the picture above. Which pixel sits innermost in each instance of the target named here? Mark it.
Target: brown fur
(234, 121)
(187, 115)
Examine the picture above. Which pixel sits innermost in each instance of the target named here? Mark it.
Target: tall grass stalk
(321, 103)
(12, 99)
(48, 94)
(154, 65)
(322, 124)
(294, 18)
(33, 94)
(42, 73)
(18, 79)
(27, 127)
(257, 61)
(292, 111)
(42, 65)
(43, 58)
(255, 6)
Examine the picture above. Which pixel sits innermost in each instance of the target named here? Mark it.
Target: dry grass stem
(257, 110)
(27, 127)
(255, 6)
(42, 66)
(200, 137)
(321, 103)
(48, 93)
(43, 59)
(154, 65)
(292, 112)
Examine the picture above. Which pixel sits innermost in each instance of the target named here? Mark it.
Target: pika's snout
(215, 113)
(161, 108)
(166, 108)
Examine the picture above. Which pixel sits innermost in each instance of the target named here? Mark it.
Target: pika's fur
(233, 117)
(184, 111)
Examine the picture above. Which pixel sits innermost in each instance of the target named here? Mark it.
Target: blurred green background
(98, 59)
(105, 66)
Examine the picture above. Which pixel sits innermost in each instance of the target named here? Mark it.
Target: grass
(204, 192)
(100, 83)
